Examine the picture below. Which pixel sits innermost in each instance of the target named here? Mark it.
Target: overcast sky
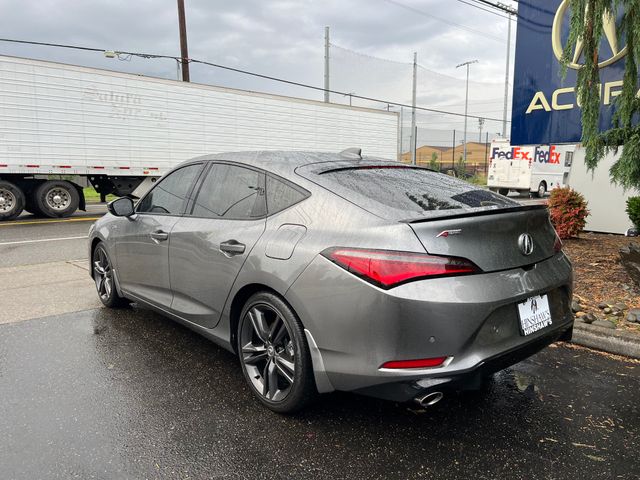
(284, 38)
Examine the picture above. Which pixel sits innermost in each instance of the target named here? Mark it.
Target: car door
(210, 244)
(142, 248)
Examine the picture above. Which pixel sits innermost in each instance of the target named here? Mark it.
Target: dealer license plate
(534, 314)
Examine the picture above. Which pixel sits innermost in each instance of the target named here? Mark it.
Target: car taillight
(387, 268)
(557, 245)
(421, 363)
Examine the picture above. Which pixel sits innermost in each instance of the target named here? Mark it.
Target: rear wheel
(57, 198)
(11, 201)
(274, 354)
(103, 275)
(542, 190)
(503, 191)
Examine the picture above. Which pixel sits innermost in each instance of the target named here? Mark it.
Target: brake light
(387, 268)
(557, 245)
(422, 363)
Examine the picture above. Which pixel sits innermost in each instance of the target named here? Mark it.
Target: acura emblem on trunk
(525, 242)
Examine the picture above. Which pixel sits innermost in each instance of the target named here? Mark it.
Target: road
(89, 392)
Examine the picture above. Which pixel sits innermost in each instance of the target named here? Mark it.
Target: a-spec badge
(448, 233)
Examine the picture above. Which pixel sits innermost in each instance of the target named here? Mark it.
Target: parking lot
(92, 393)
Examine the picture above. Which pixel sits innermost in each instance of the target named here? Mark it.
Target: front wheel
(103, 275)
(503, 191)
(274, 354)
(542, 189)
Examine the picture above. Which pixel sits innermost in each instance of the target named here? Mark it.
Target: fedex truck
(63, 127)
(533, 169)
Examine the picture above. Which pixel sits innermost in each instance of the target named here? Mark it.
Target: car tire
(274, 354)
(57, 198)
(11, 201)
(542, 190)
(503, 191)
(104, 278)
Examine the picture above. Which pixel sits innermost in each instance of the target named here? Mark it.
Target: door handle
(232, 247)
(159, 236)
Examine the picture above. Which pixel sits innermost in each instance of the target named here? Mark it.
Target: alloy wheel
(58, 199)
(268, 353)
(7, 200)
(103, 274)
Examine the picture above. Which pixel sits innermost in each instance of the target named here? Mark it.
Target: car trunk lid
(493, 241)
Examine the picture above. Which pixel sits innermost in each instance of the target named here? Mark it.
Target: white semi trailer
(62, 126)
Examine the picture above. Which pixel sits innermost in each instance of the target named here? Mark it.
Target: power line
(244, 72)
(448, 22)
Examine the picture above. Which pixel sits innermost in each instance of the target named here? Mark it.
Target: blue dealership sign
(545, 109)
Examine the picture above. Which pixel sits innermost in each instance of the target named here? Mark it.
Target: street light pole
(466, 106)
(512, 11)
(414, 140)
(184, 53)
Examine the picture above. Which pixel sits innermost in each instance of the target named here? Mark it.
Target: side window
(231, 192)
(280, 195)
(169, 196)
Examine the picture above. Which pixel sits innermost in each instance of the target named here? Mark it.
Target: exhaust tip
(429, 399)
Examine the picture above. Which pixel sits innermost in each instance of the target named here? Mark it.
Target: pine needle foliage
(587, 25)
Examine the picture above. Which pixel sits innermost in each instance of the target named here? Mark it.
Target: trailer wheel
(11, 200)
(542, 189)
(31, 205)
(57, 198)
(503, 191)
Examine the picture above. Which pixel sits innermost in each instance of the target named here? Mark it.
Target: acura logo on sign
(610, 30)
(525, 242)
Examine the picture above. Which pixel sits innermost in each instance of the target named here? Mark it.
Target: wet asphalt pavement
(129, 394)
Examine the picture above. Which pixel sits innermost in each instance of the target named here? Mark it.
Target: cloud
(282, 38)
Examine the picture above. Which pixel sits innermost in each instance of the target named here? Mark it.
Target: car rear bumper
(474, 319)
(407, 390)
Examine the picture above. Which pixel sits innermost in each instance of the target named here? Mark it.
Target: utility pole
(466, 106)
(480, 125)
(326, 66)
(413, 110)
(512, 11)
(184, 52)
(401, 128)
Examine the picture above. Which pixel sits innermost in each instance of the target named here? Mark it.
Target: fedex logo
(547, 156)
(515, 153)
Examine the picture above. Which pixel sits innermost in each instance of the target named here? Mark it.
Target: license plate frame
(534, 314)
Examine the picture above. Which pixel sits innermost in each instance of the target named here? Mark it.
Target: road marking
(40, 222)
(42, 240)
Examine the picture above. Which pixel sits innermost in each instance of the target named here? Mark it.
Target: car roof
(284, 163)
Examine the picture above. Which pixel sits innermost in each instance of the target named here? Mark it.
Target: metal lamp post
(466, 106)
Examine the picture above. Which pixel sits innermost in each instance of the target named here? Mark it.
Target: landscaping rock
(631, 318)
(602, 305)
(575, 307)
(607, 310)
(580, 314)
(618, 313)
(620, 306)
(635, 311)
(604, 324)
(630, 260)
(589, 318)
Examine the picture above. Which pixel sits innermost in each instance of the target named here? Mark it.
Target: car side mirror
(121, 207)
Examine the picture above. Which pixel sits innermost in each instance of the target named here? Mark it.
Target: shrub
(633, 210)
(568, 211)
(433, 163)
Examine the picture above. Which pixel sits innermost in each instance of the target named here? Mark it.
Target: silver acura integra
(339, 272)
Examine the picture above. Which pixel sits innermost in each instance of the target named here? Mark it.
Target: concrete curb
(606, 339)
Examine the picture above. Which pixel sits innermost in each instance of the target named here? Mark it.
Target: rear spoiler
(475, 213)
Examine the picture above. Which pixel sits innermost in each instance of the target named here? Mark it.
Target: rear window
(409, 192)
